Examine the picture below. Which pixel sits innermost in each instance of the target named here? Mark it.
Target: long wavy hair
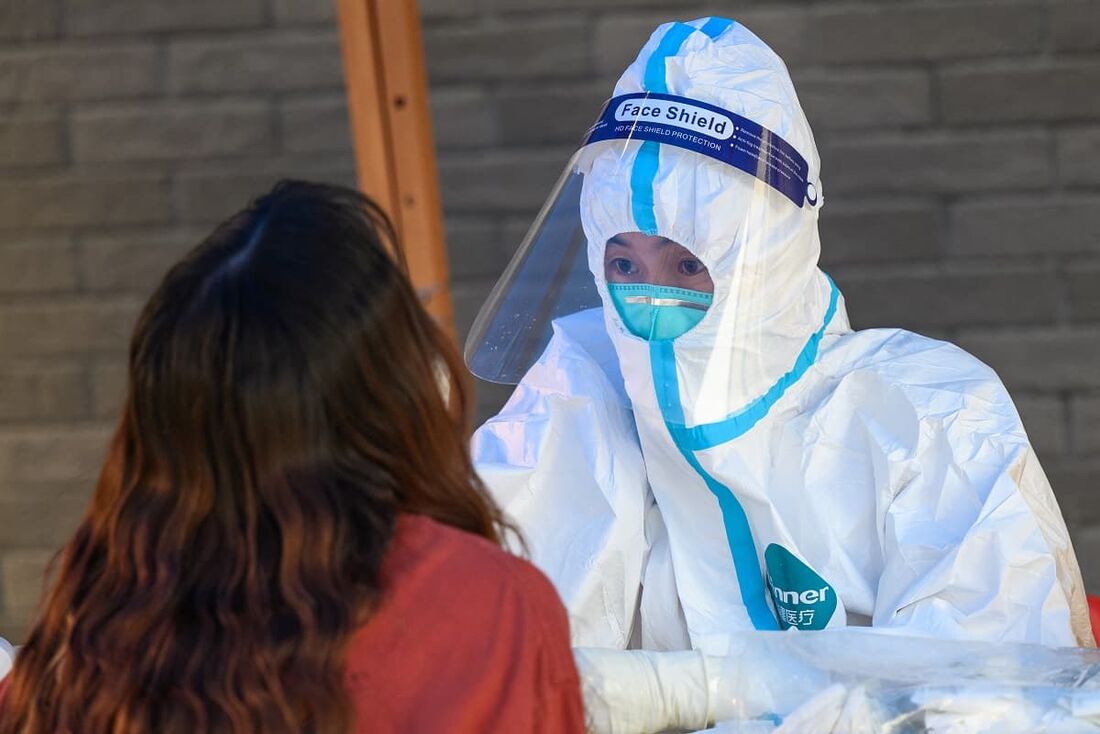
(288, 397)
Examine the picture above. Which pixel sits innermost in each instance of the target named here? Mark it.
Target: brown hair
(288, 396)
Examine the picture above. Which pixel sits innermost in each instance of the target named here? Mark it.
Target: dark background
(961, 148)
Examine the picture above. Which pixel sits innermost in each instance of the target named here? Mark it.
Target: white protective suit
(770, 468)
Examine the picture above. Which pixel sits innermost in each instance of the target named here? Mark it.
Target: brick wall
(961, 147)
(127, 129)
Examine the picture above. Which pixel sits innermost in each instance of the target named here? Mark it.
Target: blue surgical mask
(658, 312)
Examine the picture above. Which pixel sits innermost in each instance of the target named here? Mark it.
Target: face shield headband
(709, 131)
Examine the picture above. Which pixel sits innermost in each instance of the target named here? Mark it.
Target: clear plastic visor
(547, 278)
(658, 287)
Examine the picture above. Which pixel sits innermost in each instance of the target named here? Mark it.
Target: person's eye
(623, 266)
(691, 266)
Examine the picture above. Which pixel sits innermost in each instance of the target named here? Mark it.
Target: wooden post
(387, 90)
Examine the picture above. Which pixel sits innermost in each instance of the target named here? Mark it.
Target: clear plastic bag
(861, 681)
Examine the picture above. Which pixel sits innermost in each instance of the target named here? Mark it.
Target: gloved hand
(638, 692)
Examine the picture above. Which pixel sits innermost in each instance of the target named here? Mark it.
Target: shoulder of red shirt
(483, 568)
(476, 564)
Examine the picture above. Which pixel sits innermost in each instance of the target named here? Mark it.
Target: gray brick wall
(961, 145)
(127, 128)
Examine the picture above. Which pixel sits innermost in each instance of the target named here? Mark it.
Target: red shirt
(466, 639)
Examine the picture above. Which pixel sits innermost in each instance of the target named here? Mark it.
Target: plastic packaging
(851, 681)
(859, 681)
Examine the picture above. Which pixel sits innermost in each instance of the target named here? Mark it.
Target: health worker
(699, 444)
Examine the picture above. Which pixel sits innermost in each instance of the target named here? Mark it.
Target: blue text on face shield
(658, 312)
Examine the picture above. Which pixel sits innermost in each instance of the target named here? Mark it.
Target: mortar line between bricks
(1069, 421)
(1046, 48)
(51, 425)
(212, 32)
(80, 266)
(935, 96)
(74, 298)
(268, 17)
(276, 109)
(1064, 304)
(24, 429)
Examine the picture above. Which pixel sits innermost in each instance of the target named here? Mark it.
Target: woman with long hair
(287, 534)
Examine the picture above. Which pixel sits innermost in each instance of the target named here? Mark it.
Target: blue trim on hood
(644, 173)
(716, 26)
(709, 435)
(648, 160)
(746, 562)
(642, 177)
(742, 547)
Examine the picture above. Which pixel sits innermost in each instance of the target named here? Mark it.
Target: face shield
(670, 216)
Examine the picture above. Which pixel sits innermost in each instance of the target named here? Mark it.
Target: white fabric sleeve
(642, 691)
(635, 691)
(662, 623)
(974, 545)
(562, 460)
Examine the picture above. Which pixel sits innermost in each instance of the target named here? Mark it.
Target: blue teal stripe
(746, 562)
(709, 435)
(644, 173)
(642, 176)
(670, 44)
(648, 161)
(715, 27)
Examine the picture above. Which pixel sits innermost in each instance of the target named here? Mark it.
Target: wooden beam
(387, 90)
